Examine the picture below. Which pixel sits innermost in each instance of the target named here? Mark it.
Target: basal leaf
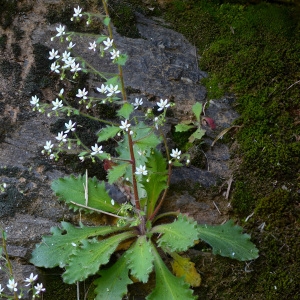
(197, 135)
(116, 172)
(149, 141)
(140, 259)
(167, 285)
(87, 259)
(125, 110)
(55, 250)
(183, 127)
(108, 132)
(72, 191)
(113, 281)
(228, 240)
(197, 110)
(183, 267)
(179, 235)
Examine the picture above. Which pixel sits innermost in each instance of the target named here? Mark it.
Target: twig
(229, 182)
(293, 84)
(97, 210)
(217, 207)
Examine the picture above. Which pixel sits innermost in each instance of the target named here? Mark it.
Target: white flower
(70, 126)
(12, 285)
(96, 150)
(71, 45)
(61, 137)
(55, 67)
(112, 201)
(141, 170)
(137, 103)
(53, 54)
(69, 62)
(112, 90)
(81, 158)
(60, 30)
(35, 101)
(30, 279)
(176, 153)
(48, 146)
(65, 56)
(114, 54)
(102, 89)
(1, 289)
(93, 46)
(75, 68)
(108, 43)
(39, 288)
(61, 92)
(77, 12)
(57, 104)
(124, 125)
(51, 156)
(82, 93)
(163, 104)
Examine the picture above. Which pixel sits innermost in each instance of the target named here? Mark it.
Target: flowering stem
(123, 91)
(133, 168)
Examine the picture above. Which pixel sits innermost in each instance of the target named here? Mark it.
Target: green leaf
(116, 172)
(71, 189)
(106, 21)
(140, 259)
(113, 281)
(179, 235)
(197, 135)
(114, 81)
(183, 127)
(197, 110)
(87, 259)
(168, 286)
(149, 141)
(157, 166)
(227, 240)
(125, 110)
(55, 250)
(108, 132)
(122, 59)
(101, 38)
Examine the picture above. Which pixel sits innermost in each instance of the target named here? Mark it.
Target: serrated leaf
(108, 132)
(87, 259)
(140, 259)
(113, 281)
(122, 59)
(167, 285)
(106, 21)
(227, 240)
(183, 127)
(55, 250)
(179, 235)
(116, 172)
(197, 110)
(71, 189)
(183, 267)
(149, 141)
(197, 135)
(125, 110)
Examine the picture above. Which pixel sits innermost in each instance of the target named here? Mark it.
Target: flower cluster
(12, 286)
